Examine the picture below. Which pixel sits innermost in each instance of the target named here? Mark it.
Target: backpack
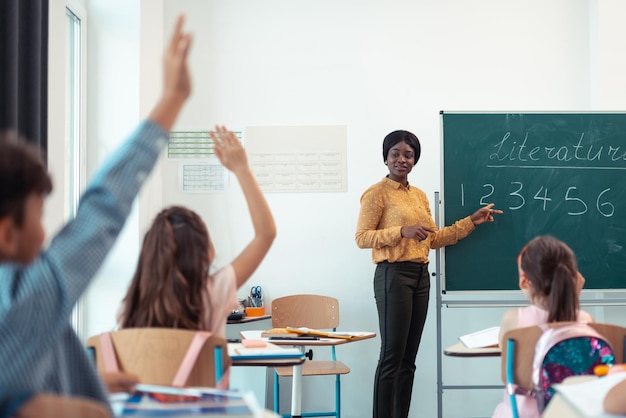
(569, 350)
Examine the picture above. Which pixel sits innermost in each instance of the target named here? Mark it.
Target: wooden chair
(311, 311)
(519, 353)
(157, 354)
(55, 406)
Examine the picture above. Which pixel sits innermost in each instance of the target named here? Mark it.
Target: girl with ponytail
(549, 277)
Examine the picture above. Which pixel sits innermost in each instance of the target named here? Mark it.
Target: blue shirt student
(39, 351)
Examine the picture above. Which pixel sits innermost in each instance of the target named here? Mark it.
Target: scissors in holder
(256, 296)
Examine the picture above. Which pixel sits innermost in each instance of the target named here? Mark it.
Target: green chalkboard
(562, 174)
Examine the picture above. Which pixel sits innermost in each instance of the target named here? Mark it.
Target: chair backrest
(156, 354)
(537, 357)
(311, 311)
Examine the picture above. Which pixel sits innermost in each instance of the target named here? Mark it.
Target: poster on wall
(298, 158)
(199, 170)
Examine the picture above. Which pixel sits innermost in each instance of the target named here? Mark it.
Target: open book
(285, 333)
(166, 401)
(481, 339)
(327, 334)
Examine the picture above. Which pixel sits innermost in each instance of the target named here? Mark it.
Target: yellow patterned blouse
(386, 207)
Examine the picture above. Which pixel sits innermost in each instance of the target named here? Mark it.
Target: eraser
(253, 343)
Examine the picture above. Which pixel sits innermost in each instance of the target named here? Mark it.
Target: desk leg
(296, 391)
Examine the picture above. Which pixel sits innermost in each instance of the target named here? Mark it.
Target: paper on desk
(484, 338)
(588, 396)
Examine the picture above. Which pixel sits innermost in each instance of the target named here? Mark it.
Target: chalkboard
(562, 174)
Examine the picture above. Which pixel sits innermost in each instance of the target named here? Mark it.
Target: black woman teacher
(396, 223)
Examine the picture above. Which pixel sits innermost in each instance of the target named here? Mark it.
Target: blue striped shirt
(39, 350)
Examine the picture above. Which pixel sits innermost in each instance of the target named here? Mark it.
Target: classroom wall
(374, 67)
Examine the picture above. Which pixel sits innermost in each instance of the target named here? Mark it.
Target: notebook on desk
(238, 351)
(481, 339)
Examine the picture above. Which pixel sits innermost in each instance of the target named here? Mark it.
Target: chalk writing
(510, 150)
(576, 205)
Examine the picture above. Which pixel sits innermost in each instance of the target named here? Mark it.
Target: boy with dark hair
(39, 351)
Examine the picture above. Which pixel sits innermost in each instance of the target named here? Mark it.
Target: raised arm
(232, 155)
(176, 79)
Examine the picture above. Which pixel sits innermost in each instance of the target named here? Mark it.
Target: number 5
(567, 197)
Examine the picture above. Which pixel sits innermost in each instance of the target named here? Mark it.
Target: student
(549, 277)
(172, 286)
(38, 289)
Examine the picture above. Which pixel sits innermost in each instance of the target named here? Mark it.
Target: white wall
(374, 66)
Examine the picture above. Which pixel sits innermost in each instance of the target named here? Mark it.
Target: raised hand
(176, 79)
(228, 149)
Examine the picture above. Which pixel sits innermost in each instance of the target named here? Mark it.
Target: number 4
(545, 197)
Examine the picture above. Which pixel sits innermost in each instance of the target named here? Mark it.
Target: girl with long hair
(549, 277)
(172, 287)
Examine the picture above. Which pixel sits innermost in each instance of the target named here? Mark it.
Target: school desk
(461, 350)
(296, 383)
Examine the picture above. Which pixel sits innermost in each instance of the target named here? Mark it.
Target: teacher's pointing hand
(485, 214)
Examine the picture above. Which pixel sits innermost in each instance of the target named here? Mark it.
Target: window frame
(75, 120)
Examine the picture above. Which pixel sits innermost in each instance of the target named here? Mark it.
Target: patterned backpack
(568, 350)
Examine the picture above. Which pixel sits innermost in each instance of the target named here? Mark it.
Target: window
(74, 126)
(73, 120)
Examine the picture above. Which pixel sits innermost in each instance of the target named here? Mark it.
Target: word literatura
(511, 150)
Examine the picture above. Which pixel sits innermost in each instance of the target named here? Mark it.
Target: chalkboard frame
(485, 261)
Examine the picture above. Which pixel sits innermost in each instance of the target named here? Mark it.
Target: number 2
(482, 199)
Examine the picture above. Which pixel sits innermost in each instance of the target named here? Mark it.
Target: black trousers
(401, 290)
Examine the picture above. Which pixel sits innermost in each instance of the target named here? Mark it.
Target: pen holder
(255, 311)
(255, 302)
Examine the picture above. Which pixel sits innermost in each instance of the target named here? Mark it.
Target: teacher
(396, 223)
